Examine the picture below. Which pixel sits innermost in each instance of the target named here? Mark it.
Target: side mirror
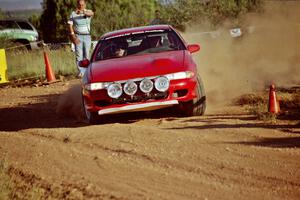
(192, 48)
(84, 63)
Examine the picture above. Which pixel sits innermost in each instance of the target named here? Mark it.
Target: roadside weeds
(10, 190)
(257, 105)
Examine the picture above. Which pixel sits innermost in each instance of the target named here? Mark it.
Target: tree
(116, 14)
(53, 21)
(35, 21)
(109, 15)
(180, 13)
(2, 15)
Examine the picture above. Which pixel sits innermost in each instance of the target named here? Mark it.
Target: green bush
(109, 15)
(5, 42)
(181, 13)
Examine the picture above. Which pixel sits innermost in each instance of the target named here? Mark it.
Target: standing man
(157, 20)
(80, 32)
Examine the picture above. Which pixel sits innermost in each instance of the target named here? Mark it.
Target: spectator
(157, 20)
(80, 32)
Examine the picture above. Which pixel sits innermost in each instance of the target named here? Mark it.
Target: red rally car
(142, 69)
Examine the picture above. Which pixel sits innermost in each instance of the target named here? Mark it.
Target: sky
(20, 4)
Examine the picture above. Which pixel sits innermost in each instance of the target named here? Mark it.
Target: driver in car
(121, 48)
(120, 52)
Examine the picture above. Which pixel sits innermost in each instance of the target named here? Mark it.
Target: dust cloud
(70, 103)
(268, 52)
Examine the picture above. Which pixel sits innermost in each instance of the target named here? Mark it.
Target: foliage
(19, 14)
(35, 21)
(117, 14)
(261, 112)
(9, 190)
(257, 104)
(5, 186)
(23, 14)
(2, 15)
(5, 42)
(121, 14)
(53, 23)
(180, 13)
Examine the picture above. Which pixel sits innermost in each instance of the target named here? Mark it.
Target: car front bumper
(138, 107)
(179, 91)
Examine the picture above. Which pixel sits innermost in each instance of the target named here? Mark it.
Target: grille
(138, 97)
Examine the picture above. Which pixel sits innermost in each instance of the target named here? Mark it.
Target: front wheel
(197, 106)
(91, 117)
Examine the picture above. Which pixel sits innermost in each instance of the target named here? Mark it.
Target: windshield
(136, 44)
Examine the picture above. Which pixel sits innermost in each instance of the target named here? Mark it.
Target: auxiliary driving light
(130, 88)
(162, 84)
(114, 90)
(146, 85)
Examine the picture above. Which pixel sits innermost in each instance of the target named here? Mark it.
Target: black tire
(91, 117)
(197, 106)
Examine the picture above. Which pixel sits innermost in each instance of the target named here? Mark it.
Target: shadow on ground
(245, 125)
(35, 115)
(169, 114)
(221, 117)
(286, 142)
(44, 115)
(217, 122)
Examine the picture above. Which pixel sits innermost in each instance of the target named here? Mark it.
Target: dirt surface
(226, 154)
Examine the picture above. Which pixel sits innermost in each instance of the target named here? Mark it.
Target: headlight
(114, 90)
(146, 85)
(130, 88)
(180, 75)
(162, 84)
(95, 86)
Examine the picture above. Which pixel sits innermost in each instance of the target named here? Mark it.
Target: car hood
(137, 66)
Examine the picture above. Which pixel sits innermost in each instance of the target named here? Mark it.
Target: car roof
(14, 20)
(134, 30)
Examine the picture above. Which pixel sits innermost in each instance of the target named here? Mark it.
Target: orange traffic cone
(49, 73)
(273, 103)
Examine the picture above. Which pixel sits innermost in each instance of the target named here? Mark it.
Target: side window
(25, 25)
(174, 41)
(11, 24)
(105, 51)
(8, 25)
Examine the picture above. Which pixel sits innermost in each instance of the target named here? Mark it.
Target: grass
(5, 183)
(257, 104)
(25, 64)
(260, 110)
(9, 189)
(5, 42)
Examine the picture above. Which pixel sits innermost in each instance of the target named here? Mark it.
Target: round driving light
(146, 85)
(130, 88)
(162, 84)
(114, 90)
